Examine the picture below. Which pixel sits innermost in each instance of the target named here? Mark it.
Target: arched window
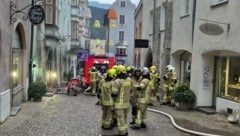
(16, 59)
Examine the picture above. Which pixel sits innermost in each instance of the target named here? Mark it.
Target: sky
(111, 1)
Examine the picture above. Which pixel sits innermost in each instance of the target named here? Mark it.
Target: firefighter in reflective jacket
(102, 74)
(170, 81)
(134, 93)
(106, 98)
(155, 78)
(145, 87)
(121, 95)
(93, 78)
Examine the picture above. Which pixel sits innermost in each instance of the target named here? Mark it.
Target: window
(228, 77)
(74, 3)
(16, 59)
(121, 35)
(217, 2)
(49, 12)
(49, 2)
(122, 4)
(184, 10)
(121, 51)
(163, 17)
(122, 19)
(74, 30)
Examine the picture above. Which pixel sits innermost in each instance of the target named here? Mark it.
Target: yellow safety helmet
(115, 67)
(129, 69)
(153, 68)
(112, 73)
(121, 69)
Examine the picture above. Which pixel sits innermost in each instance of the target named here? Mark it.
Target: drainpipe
(31, 46)
(154, 31)
(193, 18)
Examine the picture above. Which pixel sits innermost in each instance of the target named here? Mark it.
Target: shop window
(228, 77)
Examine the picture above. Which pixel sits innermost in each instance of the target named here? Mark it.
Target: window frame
(184, 8)
(122, 4)
(216, 3)
(163, 16)
(121, 35)
(122, 19)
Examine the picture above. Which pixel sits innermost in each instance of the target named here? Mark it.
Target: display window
(228, 77)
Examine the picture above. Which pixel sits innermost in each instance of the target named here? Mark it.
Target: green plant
(67, 75)
(36, 90)
(184, 95)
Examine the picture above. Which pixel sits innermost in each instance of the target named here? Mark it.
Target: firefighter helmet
(121, 69)
(129, 69)
(115, 67)
(112, 73)
(153, 68)
(145, 71)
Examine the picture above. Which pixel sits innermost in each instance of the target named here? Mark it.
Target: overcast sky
(111, 1)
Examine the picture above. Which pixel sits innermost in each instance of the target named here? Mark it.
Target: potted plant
(184, 97)
(36, 90)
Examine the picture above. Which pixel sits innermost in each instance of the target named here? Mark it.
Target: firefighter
(121, 95)
(170, 81)
(155, 78)
(134, 93)
(106, 98)
(93, 78)
(145, 87)
(130, 71)
(102, 74)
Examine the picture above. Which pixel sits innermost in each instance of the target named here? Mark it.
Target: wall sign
(206, 76)
(36, 14)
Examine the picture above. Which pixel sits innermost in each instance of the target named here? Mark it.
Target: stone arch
(18, 63)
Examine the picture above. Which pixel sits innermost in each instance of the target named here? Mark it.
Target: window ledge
(219, 4)
(186, 15)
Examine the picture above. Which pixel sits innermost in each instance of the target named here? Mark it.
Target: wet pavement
(63, 115)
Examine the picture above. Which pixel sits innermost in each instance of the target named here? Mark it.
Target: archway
(149, 58)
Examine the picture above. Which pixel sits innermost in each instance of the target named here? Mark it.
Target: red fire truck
(97, 61)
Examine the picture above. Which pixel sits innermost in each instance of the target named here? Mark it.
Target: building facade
(199, 38)
(121, 36)
(215, 59)
(14, 56)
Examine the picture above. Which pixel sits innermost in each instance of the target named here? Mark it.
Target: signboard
(141, 43)
(82, 55)
(36, 14)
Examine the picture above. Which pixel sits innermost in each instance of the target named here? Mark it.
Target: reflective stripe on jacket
(122, 88)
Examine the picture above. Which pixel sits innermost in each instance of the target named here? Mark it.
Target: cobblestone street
(64, 115)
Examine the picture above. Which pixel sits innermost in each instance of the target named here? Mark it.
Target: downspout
(193, 19)
(154, 31)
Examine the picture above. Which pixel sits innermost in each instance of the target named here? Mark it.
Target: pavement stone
(64, 115)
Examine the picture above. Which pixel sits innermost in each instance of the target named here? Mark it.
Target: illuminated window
(228, 77)
(16, 59)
